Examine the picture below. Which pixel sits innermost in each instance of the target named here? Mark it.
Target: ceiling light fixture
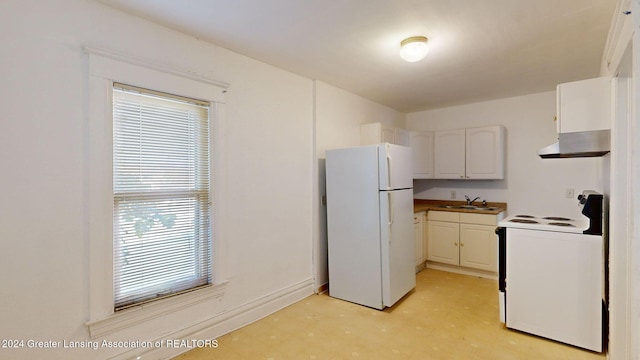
(414, 48)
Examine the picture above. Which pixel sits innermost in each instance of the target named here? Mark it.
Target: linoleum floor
(447, 316)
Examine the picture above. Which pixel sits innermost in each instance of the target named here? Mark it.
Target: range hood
(584, 111)
(579, 144)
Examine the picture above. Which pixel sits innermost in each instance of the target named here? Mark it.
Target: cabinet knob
(455, 244)
(461, 244)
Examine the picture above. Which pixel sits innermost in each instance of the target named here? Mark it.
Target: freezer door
(397, 244)
(396, 171)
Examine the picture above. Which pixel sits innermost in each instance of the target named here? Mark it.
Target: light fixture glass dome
(414, 48)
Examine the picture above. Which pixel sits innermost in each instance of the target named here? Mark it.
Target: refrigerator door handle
(391, 212)
(389, 161)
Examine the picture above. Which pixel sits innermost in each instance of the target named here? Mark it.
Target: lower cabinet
(444, 237)
(478, 247)
(419, 226)
(463, 239)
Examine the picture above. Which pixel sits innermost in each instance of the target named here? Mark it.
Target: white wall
(340, 113)
(622, 59)
(531, 185)
(273, 162)
(338, 117)
(43, 157)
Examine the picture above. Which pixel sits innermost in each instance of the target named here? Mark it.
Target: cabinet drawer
(480, 219)
(448, 216)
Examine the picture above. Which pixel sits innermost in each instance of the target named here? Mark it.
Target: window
(161, 195)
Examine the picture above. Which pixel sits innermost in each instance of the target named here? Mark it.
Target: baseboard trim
(227, 321)
(323, 288)
(462, 270)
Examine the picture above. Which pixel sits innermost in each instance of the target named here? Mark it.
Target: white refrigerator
(370, 224)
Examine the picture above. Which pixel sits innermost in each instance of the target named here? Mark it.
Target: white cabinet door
(388, 135)
(478, 247)
(449, 154)
(401, 137)
(584, 105)
(422, 151)
(418, 224)
(485, 152)
(473, 153)
(463, 239)
(425, 235)
(443, 242)
(376, 133)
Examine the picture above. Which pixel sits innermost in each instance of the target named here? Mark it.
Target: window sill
(153, 310)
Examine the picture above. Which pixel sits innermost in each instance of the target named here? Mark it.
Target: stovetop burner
(524, 221)
(525, 216)
(555, 218)
(561, 224)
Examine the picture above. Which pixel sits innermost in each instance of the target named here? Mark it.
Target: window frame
(151, 99)
(106, 67)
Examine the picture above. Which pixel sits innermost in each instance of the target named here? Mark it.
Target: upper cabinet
(376, 133)
(449, 154)
(422, 154)
(402, 137)
(584, 105)
(485, 152)
(473, 153)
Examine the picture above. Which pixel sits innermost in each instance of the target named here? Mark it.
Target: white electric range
(551, 274)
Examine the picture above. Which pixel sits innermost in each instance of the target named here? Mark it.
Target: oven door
(555, 286)
(502, 271)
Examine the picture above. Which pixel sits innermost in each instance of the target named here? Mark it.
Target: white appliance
(370, 224)
(584, 119)
(551, 274)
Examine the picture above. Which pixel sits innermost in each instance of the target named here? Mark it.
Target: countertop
(426, 205)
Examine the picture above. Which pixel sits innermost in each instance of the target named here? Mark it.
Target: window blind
(162, 236)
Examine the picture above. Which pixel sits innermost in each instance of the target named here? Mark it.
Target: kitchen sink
(470, 207)
(488, 208)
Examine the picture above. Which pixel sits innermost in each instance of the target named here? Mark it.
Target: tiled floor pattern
(447, 316)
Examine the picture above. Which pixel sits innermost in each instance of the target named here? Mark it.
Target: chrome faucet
(469, 201)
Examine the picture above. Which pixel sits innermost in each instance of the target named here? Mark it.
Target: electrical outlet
(569, 193)
(453, 194)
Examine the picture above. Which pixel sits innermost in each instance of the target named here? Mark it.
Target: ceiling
(479, 49)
